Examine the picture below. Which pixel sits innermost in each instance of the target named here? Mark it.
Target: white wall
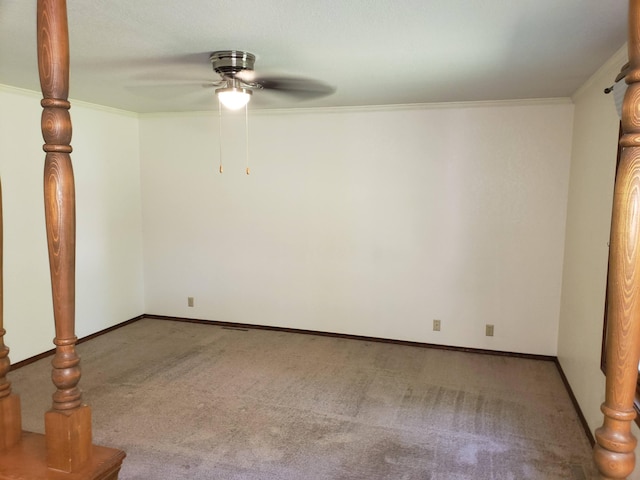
(109, 286)
(368, 222)
(587, 235)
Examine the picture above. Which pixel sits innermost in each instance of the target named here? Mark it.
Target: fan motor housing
(229, 62)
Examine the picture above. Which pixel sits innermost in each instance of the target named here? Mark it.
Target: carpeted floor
(192, 401)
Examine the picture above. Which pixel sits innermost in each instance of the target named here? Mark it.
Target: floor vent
(236, 328)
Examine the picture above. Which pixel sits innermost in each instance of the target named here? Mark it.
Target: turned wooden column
(10, 415)
(615, 445)
(68, 423)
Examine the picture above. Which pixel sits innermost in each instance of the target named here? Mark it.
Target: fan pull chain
(220, 127)
(246, 136)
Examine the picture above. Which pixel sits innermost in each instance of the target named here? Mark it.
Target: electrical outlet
(189, 301)
(436, 325)
(489, 330)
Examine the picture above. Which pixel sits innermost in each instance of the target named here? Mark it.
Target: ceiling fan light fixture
(234, 98)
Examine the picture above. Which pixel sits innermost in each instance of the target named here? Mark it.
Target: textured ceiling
(152, 55)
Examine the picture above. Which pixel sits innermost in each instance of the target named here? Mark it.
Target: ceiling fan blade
(161, 89)
(122, 61)
(299, 87)
(169, 89)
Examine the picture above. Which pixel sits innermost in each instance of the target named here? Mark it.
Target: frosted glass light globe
(234, 98)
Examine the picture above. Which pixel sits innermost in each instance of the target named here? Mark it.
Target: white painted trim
(104, 108)
(343, 109)
(74, 102)
(378, 108)
(19, 91)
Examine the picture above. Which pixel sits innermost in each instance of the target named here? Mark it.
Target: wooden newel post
(68, 423)
(615, 445)
(10, 415)
(66, 449)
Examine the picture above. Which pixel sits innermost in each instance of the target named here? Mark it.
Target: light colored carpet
(192, 401)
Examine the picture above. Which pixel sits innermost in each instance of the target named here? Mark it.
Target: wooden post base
(68, 438)
(27, 460)
(10, 421)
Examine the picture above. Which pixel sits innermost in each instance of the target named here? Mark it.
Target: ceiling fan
(238, 80)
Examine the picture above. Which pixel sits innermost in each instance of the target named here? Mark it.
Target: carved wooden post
(10, 415)
(615, 445)
(68, 423)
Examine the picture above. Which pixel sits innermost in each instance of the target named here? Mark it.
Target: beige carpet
(192, 401)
